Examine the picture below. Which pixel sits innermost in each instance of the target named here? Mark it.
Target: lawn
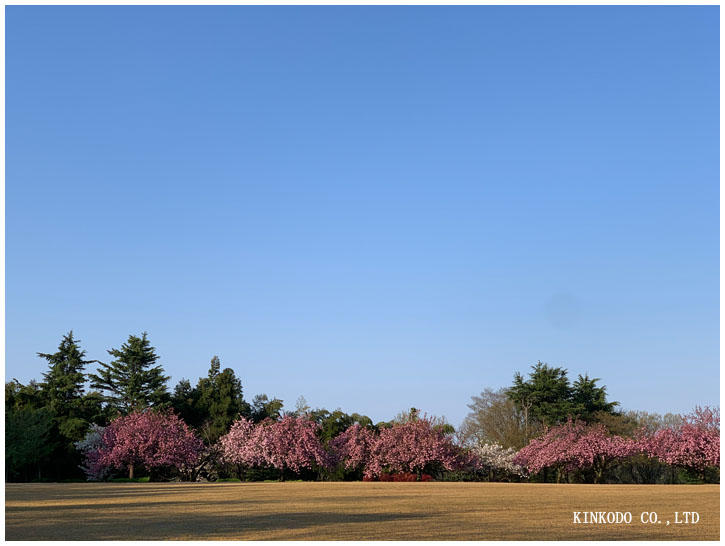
(351, 511)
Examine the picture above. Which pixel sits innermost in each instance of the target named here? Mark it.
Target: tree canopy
(548, 398)
(215, 402)
(132, 380)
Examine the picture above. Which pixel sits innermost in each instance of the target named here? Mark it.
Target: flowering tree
(290, 443)
(694, 444)
(598, 450)
(497, 460)
(412, 446)
(149, 439)
(238, 445)
(353, 446)
(575, 446)
(90, 447)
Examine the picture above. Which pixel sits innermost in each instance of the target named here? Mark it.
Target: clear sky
(373, 207)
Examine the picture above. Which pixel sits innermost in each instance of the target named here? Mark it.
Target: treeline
(559, 430)
(416, 448)
(512, 416)
(127, 423)
(46, 419)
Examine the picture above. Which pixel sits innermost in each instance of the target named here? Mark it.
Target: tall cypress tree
(132, 380)
(221, 399)
(215, 402)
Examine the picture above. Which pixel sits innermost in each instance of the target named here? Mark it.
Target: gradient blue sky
(373, 207)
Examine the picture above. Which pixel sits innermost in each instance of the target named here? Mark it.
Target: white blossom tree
(497, 461)
(89, 446)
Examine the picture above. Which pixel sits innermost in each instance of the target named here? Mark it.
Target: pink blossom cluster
(574, 445)
(352, 448)
(237, 445)
(693, 444)
(411, 447)
(291, 442)
(150, 439)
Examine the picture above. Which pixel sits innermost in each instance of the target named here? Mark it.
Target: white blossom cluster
(92, 442)
(498, 459)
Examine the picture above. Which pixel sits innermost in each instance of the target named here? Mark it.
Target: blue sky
(373, 207)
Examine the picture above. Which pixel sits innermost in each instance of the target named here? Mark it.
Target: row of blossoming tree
(694, 445)
(418, 449)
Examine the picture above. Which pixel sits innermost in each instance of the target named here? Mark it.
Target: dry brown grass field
(351, 511)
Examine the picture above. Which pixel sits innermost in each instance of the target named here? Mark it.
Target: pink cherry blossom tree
(238, 446)
(289, 443)
(352, 447)
(412, 446)
(575, 446)
(694, 444)
(150, 439)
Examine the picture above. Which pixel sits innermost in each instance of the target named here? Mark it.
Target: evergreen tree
(19, 396)
(220, 400)
(214, 404)
(264, 408)
(63, 387)
(132, 380)
(185, 402)
(589, 400)
(336, 422)
(29, 443)
(547, 397)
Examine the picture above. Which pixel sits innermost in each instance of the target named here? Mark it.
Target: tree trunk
(130, 471)
(599, 471)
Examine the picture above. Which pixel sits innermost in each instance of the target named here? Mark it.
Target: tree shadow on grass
(158, 525)
(166, 493)
(22, 492)
(59, 510)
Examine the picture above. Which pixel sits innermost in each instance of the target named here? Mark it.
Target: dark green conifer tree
(221, 399)
(547, 398)
(63, 387)
(132, 380)
(589, 400)
(263, 408)
(215, 402)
